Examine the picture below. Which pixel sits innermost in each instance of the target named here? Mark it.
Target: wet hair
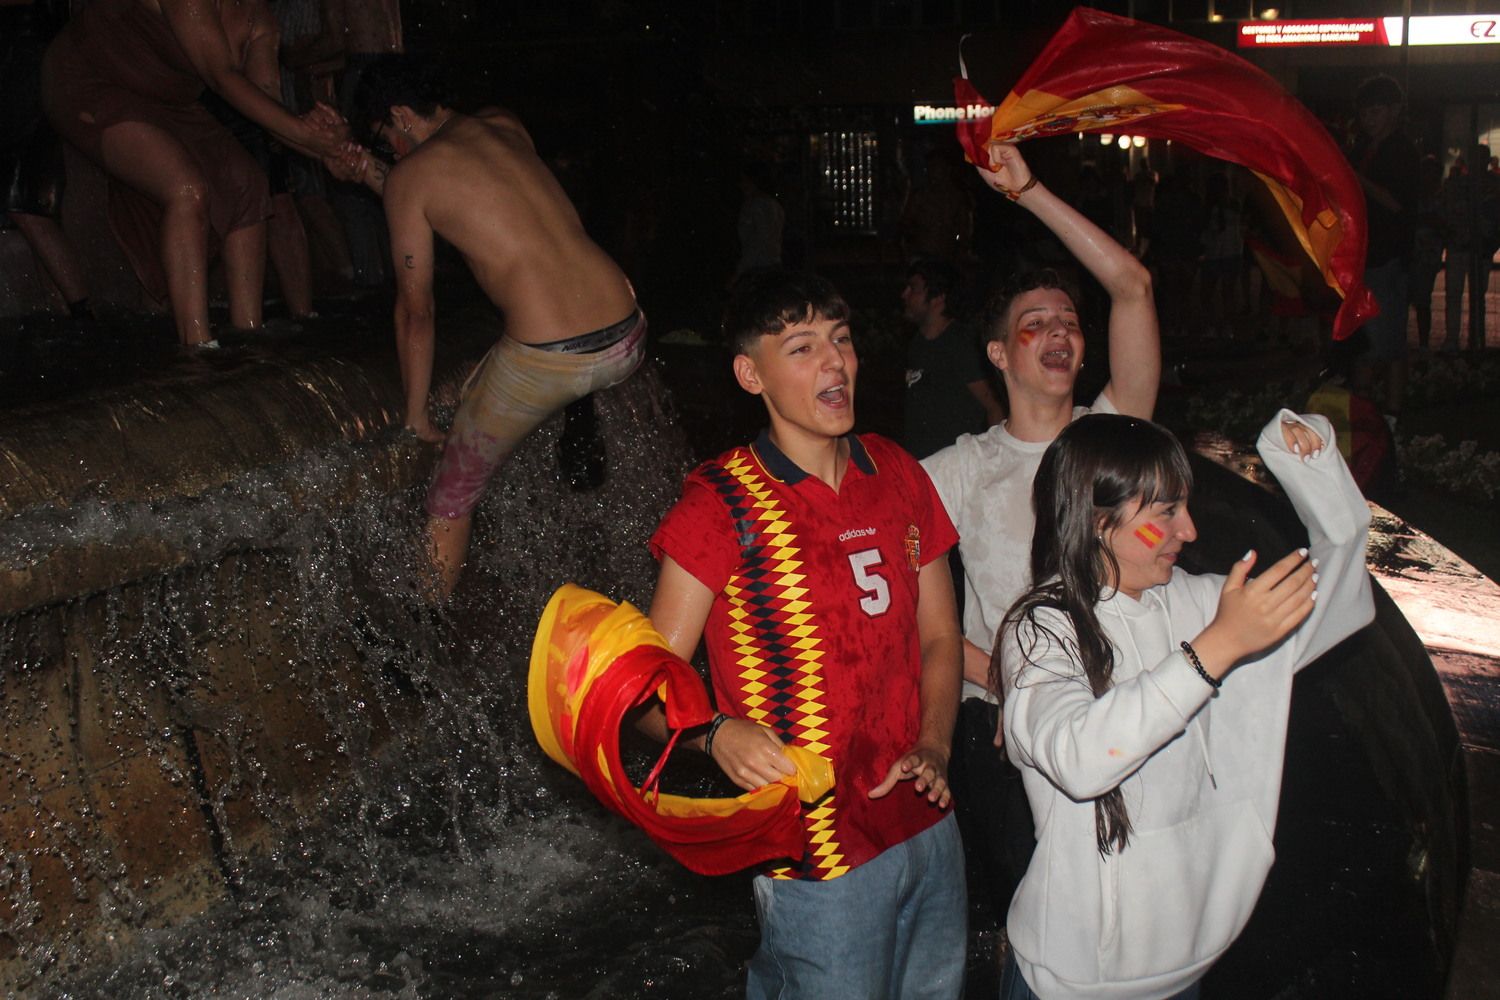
(1118, 464)
(940, 277)
(767, 300)
(1378, 90)
(995, 323)
(393, 79)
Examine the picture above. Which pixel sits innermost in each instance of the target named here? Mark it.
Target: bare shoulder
(507, 124)
(408, 179)
(493, 114)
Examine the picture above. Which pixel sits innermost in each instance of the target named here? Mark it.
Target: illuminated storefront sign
(930, 114)
(1439, 29)
(1455, 29)
(1334, 31)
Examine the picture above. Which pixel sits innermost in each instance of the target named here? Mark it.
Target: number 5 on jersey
(877, 599)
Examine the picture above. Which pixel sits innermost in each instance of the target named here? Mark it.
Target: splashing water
(349, 777)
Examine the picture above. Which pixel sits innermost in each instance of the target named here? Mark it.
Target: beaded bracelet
(1197, 664)
(713, 729)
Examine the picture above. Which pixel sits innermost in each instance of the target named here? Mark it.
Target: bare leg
(52, 248)
(448, 547)
(289, 255)
(245, 274)
(154, 163)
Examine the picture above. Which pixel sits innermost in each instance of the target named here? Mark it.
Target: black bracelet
(1192, 658)
(1016, 194)
(713, 729)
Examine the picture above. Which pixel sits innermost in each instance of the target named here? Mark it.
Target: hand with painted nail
(1301, 439)
(1257, 613)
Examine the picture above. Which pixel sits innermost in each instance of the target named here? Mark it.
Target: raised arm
(1313, 597)
(1134, 337)
(198, 29)
(412, 258)
(1337, 518)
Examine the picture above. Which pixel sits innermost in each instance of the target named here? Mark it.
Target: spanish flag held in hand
(1104, 73)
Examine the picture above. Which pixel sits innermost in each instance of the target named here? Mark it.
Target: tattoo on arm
(410, 262)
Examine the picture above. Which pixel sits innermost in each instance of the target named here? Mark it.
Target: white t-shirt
(984, 481)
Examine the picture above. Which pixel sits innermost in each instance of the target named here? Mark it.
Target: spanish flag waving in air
(1104, 73)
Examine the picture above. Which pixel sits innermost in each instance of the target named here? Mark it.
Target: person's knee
(187, 199)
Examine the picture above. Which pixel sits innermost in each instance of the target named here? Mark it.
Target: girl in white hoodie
(1147, 707)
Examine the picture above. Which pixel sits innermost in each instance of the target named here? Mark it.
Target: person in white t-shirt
(1034, 339)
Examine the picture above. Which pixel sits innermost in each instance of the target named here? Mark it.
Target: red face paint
(1024, 337)
(1150, 535)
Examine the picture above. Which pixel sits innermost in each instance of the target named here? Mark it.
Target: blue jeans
(894, 928)
(1013, 984)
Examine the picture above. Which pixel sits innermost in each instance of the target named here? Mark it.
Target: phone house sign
(940, 114)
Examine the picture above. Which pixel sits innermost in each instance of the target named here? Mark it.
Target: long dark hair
(1116, 464)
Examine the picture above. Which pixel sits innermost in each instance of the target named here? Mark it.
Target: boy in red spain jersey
(812, 564)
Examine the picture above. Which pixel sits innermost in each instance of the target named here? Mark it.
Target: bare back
(482, 187)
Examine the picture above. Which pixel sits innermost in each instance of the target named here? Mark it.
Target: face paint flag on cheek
(1102, 73)
(1150, 534)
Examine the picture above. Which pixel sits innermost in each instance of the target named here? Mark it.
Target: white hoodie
(1201, 776)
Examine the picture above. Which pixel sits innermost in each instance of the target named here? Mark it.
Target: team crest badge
(913, 544)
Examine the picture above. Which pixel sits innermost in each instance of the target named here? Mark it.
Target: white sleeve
(945, 468)
(1086, 745)
(1338, 520)
(1103, 404)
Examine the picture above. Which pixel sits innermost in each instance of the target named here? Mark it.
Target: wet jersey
(813, 628)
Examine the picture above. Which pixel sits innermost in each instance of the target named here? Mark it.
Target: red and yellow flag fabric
(592, 662)
(1104, 73)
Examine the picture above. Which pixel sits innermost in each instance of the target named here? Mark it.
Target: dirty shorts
(517, 387)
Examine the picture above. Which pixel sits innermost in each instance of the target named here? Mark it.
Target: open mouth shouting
(836, 396)
(1057, 359)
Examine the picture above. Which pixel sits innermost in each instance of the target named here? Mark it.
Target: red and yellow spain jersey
(813, 629)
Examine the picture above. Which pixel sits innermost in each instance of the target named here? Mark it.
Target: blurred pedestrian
(1427, 245)
(1471, 213)
(1386, 163)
